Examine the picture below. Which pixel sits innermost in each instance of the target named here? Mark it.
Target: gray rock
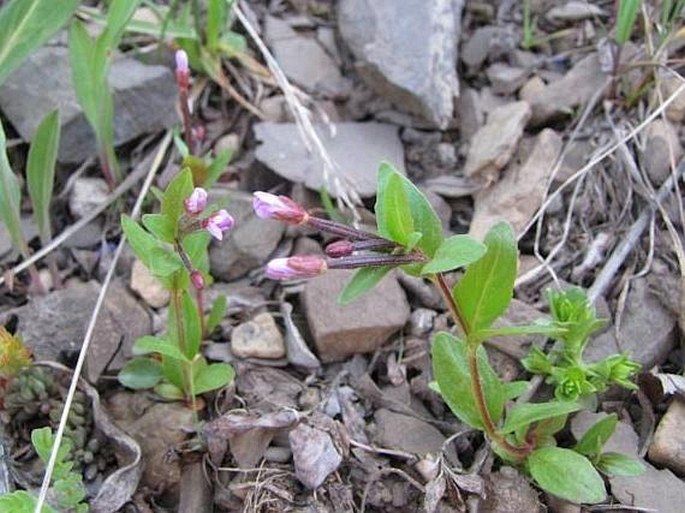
(487, 42)
(357, 148)
(87, 194)
(246, 246)
(647, 332)
(258, 338)
(53, 326)
(676, 109)
(405, 433)
(507, 491)
(147, 286)
(506, 79)
(469, 113)
(494, 144)
(661, 143)
(668, 445)
(314, 454)
(574, 10)
(144, 100)
(361, 326)
(303, 59)
(408, 55)
(577, 87)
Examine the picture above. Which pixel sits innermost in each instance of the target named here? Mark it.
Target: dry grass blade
(161, 151)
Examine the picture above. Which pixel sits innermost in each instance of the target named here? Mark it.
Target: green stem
(181, 337)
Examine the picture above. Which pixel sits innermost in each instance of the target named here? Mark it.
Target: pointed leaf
(170, 392)
(10, 198)
(451, 370)
(457, 251)
(140, 373)
(159, 226)
(485, 291)
(213, 377)
(392, 210)
(363, 280)
(596, 436)
(40, 171)
(566, 474)
(176, 193)
(149, 344)
(216, 314)
(191, 324)
(524, 414)
(217, 168)
(615, 464)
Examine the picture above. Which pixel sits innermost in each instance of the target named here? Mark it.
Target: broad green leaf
(142, 242)
(28, 25)
(393, 216)
(192, 325)
(424, 218)
(363, 280)
(159, 226)
(149, 344)
(616, 464)
(524, 414)
(21, 501)
(176, 193)
(216, 314)
(594, 438)
(140, 373)
(213, 377)
(164, 262)
(550, 426)
(195, 245)
(170, 392)
(451, 370)
(40, 171)
(566, 474)
(485, 291)
(217, 168)
(10, 198)
(173, 372)
(457, 251)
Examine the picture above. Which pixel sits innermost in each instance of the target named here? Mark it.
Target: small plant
(67, 492)
(14, 357)
(173, 245)
(410, 238)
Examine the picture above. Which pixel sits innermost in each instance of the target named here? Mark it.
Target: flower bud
(281, 208)
(196, 202)
(339, 248)
(197, 280)
(296, 267)
(182, 70)
(218, 223)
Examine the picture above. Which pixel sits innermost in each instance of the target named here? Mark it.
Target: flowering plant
(410, 238)
(173, 246)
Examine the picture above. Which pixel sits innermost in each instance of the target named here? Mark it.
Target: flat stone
(494, 144)
(303, 59)
(487, 42)
(507, 491)
(661, 145)
(147, 286)
(469, 113)
(357, 149)
(361, 326)
(411, 60)
(580, 84)
(405, 433)
(314, 455)
(247, 246)
(534, 86)
(258, 338)
(506, 79)
(87, 194)
(668, 444)
(144, 100)
(575, 10)
(53, 326)
(647, 332)
(521, 189)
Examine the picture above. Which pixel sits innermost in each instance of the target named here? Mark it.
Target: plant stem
(181, 337)
(106, 170)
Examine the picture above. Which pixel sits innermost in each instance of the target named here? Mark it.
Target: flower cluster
(216, 223)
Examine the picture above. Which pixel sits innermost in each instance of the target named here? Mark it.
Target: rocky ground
(559, 139)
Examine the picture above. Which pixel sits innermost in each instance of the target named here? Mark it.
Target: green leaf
(164, 262)
(28, 25)
(120, 12)
(140, 373)
(21, 501)
(566, 474)
(524, 414)
(213, 377)
(363, 280)
(393, 216)
(485, 291)
(159, 226)
(217, 168)
(538, 328)
(424, 218)
(40, 171)
(514, 389)
(170, 392)
(173, 371)
(216, 22)
(82, 55)
(216, 314)
(457, 251)
(42, 440)
(593, 440)
(149, 344)
(627, 14)
(176, 193)
(616, 464)
(142, 242)
(451, 370)
(191, 324)
(10, 198)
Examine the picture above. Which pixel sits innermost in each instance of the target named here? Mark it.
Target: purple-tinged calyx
(296, 267)
(197, 202)
(339, 248)
(217, 223)
(281, 208)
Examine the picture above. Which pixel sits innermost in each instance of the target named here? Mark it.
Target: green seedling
(173, 246)
(90, 64)
(67, 490)
(409, 237)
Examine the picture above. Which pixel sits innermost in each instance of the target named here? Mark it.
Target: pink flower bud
(295, 267)
(218, 223)
(197, 280)
(182, 70)
(339, 249)
(281, 208)
(196, 202)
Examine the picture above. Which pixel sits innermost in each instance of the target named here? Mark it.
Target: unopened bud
(296, 267)
(196, 202)
(182, 70)
(281, 208)
(340, 248)
(197, 280)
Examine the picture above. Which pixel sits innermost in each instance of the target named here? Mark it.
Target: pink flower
(295, 267)
(218, 223)
(281, 208)
(197, 280)
(196, 202)
(182, 61)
